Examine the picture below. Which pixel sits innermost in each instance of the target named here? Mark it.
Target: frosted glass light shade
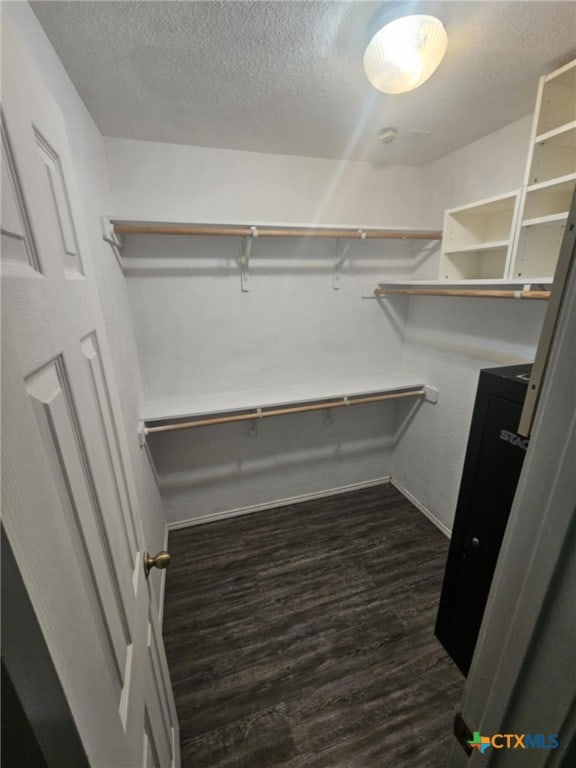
(405, 53)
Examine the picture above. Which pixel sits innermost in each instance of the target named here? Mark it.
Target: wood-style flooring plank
(303, 636)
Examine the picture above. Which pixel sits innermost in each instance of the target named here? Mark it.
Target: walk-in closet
(288, 382)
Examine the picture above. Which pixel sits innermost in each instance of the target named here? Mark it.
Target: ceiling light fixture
(404, 51)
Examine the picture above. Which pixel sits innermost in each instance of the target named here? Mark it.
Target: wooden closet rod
(203, 229)
(468, 292)
(283, 411)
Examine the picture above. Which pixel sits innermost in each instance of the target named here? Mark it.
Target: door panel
(69, 501)
(161, 732)
(159, 695)
(61, 204)
(70, 472)
(17, 245)
(151, 759)
(101, 396)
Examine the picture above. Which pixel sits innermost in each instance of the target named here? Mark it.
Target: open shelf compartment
(477, 239)
(558, 99)
(554, 154)
(475, 265)
(550, 198)
(538, 248)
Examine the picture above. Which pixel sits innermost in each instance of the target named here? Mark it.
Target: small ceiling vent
(417, 133)
(387, 135)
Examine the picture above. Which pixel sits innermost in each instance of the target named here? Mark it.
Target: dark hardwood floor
(303, 636)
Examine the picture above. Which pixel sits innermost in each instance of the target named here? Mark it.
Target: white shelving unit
(215, 403)
(550, 178)
(509, 245)
(478, 238)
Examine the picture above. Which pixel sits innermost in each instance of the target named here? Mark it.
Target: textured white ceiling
(287, 77)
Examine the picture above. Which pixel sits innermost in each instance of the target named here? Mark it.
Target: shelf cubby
(557, 99)
(539, 242)
(549, 198)
(550, 219)
(554, 154)
(477, 239)
(473, 265)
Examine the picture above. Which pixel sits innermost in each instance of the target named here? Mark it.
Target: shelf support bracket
(245, 252)
(142, 431)
(430, 395)
(254, 423)
(109, 236)
(341, 248)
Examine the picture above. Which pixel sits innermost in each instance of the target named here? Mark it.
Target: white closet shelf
(495, 245)
(563, 136)
(551, 219)
(214, 403)
(113, 230)
(480, 288)
(550, 183)
(518, 284)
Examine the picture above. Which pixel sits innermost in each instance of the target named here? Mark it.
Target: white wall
(90, 165)
(448, 341)
(170, 182)
(492, 165)
(205, 472)
(197, 331)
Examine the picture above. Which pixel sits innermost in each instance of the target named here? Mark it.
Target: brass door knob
(160, 561)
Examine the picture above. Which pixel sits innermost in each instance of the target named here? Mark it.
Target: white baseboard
(229, 513)
(213, 516)
(425, 511)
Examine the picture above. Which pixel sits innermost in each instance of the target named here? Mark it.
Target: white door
(69, 503)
